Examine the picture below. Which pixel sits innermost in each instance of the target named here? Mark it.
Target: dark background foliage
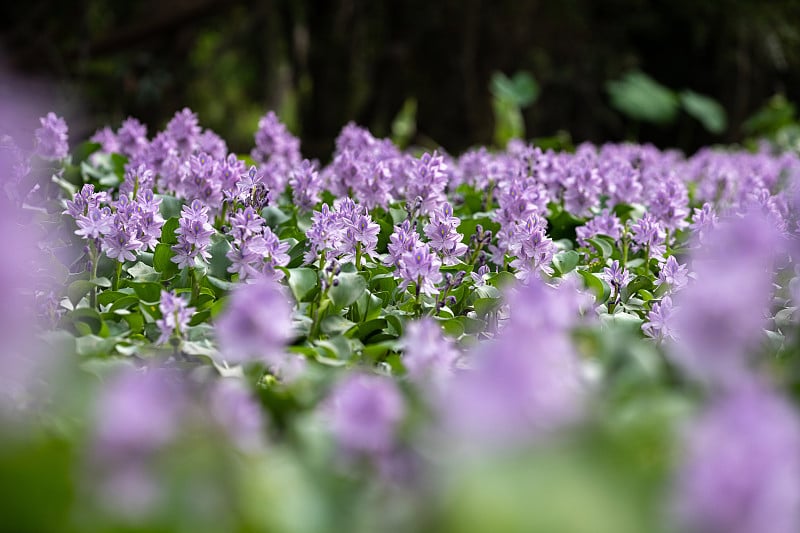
(323, 63)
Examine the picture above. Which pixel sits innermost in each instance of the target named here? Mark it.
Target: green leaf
(640, 97)
(706, 110)
(78, 289)
(170, 208)
(349, 289)
(274, 217)
(566, 261)
(601, 289)
(162, 256)
(453, 327)
(602, 246)
(219, 262)
(146, 291)
(144, 273)
(302, 281)
(168, 231)
(484, 306)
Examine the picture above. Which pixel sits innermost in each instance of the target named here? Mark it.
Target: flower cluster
(194, 235)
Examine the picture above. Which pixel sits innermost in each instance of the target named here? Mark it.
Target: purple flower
(675, 275)
(442, 234)
(364, 412)
(420, 267)
(659, 320)
(526, 382)
(306, 185)
(273, 140)
(184, 130)
(107, 140)
(175, 315)
(51, 138)
(120, 244)
(723, 315)
(616, 276)
(194, 235)
(132, 137)
(427, 181)
(603, 224)
(428, 356)
(741, 468)
(238, 413)
(647, 234)
(137, 413)
(256, 325)
(404, 239)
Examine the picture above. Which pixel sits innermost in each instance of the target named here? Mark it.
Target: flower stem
(117, 275)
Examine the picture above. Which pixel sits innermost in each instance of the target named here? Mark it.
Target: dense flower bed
(523, 340)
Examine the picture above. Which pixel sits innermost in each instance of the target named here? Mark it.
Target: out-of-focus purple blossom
(582, 188)
(306, 185)
(52, 138)
(175, 315)
(107, 140)
(273, 139)
(364, 413)
(428, 356)
(184, 130)
(138, 412)
(741, 468)
(669, 203)
(132, 138)
(427, 181)
(723, 315)
(659, 324)
(237, 412)
(212, 144)
(137, 415)
(673, 274)
(256, 325)
(526, 382)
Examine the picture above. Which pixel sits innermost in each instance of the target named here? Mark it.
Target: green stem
(117, 275)
(358, 256)
(94, 259)
(195, 284)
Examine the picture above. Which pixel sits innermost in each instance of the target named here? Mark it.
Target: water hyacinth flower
(137, 415)
(673, 274)
(52, 140)
(428, 356)
(740, 471)
(256, 325)
(194, 235)
(722, 315)
(659, 324)
(175, 315)
(364, 412)
(526, 382)
(236, 411)
(421, 268)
